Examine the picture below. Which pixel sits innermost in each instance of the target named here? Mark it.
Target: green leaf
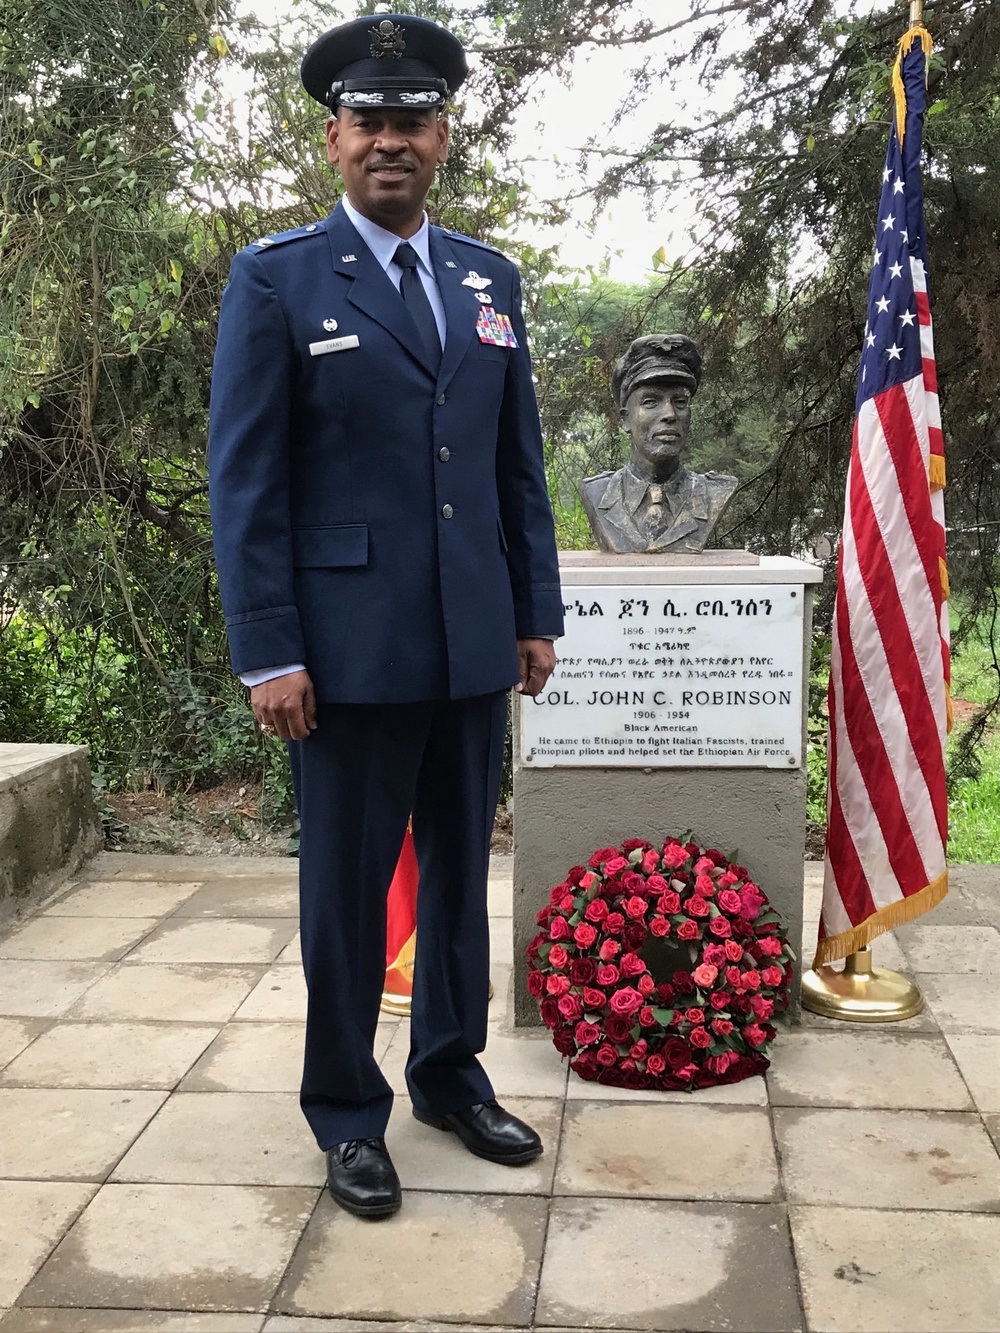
(810, 143)
(937, 107)
(662, 1016)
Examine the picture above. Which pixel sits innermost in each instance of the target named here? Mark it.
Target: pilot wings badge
(474, 280)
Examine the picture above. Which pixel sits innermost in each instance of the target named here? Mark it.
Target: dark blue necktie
(412, 291)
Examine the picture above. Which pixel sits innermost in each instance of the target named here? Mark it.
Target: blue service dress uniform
(387, 524)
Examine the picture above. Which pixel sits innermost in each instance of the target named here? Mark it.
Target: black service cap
(672, 357)
(394, 60)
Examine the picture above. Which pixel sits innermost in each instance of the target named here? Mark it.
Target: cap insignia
(387, 40)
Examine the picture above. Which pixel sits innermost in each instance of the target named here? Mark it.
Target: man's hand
(286, 706)
(536, 659)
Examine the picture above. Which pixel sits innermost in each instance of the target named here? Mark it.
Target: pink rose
(586, 1034)
(608, 975)
(585, 934)
(697, 906)
(656, 884)
(733, 977)
(730, 901)
(616, 863)
(772, 976)
(558, 957)
(720, 927)
(702, 864)
(754, 1035)
(752, 901)
(593, 998)
(557, 985)
(674, 855)
(718, 999)
(718, 1064)
(645, 985)
(596, 911)
(770, 946)
(700, 1038)
(639, 1049)
(694, 1015)
(727, 879)
(705, 975)
(762, 1007)
(588, 879)
(659, 927)
(631, 965)
(607, 1056)
(721, 1027)
(559, 929)
(609, 949)
(625, 1002)
(734, 951)
(646, 1016)
(715, 955)
(570, 1007)
(655, 1064)
(636, 908)
(751, 979)
(615, 923)
(688, 930)
(669, 903)
(650, 860)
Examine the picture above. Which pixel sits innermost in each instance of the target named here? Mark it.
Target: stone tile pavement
(155, 1172)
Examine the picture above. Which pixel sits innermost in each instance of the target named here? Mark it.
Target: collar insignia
(348, 259)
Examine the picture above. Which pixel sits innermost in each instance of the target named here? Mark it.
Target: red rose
(631, 965)
(636, 908)
(762, 1007)
(533, 948)
(665, 992)
(615, 864)
(635, 845)
(585, 934)
(634, 934)
(772, 976)
(705, 975)
(549, 1010)
(674, 855)
(639, 1049)
(720, 927)
(646, 985)
(722, 1026)
(730, 901)
(751, 979)
(608, 975)
(607, 1056)
(718, 1064)
(544, 916)
(563, 1040)
(617, 1029)
(536, 984)
(718, 999)
(609, 949)
(557, 985)
(567, 904)
(734, 976)
(770, 946)
(677, 1019)
(577, 875)
(697, 906)
(700, 1038)
(675, 1052)
(558, 894)
(669, 903)
(605, 854)
(754, 1035)
(586, 1034)
(682, 980)
(694, 1015)
(570, 1007)
(593, 998)
(655, 1064)
(558, 957)
(627, 1066)
(647, 1017)
(659, 927)
(656, 884)
(688, 930)
(727, 879)
(714, 955)
(633, 883)
(614, 923)
(588, 879)
(625, 1002)
(559, 930)
(597, 911)
(582, 970)
(734, 951)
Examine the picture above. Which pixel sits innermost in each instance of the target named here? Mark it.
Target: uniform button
(447, 511)
(444, 455)
(441, 401)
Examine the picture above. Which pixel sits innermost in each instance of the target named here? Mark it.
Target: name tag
(334, 345)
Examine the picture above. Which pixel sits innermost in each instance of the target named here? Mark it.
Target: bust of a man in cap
(654, 504)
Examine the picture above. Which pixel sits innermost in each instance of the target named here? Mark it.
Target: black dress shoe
(489, 1131)
(362, 1178)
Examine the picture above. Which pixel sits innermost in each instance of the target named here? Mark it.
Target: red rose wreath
(711, 1022)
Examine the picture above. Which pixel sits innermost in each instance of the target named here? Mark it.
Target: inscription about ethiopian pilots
(651, 677)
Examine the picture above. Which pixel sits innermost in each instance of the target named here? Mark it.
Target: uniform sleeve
(525, 510)
(248, 457)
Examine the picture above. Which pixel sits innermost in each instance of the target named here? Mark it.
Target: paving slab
(34, 1215)
(643, 1264)
(667, 1151)
(430, 1159)
(936, 948)
(217, 940)
(978, 1059)
(109, 1055)
(178, 992)
(890, 1159)
(897, 1272)
(33, 989)
(123, 898)
(866, 1069)
(226, 1138)
(126, 1321)
(180, 1247)
(963, 1003)
(171, 866)
(18, 1033)
(85, 938)
(260, 896)
(519, 1064)
(69, 1133)
(443, 1257)
(280, 996)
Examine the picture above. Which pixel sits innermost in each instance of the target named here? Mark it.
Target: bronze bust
(653, 503)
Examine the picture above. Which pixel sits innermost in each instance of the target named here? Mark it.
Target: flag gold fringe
(886, 918)
(917, 33)
(936, 471)
(949, 713)
(945, 581)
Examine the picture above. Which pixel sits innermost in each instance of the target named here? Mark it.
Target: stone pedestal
(743, 798)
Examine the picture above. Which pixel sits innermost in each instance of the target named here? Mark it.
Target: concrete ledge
(48, 822)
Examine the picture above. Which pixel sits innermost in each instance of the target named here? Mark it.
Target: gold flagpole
(862, 993)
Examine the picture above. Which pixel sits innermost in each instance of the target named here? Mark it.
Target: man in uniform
(388, 571)
(654, 503)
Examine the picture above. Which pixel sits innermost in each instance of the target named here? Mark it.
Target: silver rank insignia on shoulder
(263, 240)
(348, 259)
(474, 280)
(330, 325)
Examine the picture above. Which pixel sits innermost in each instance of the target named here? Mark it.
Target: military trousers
(358, 777)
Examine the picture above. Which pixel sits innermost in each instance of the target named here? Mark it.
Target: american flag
(889, 712)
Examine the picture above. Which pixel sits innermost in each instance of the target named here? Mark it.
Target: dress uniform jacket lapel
(372, 290)
(459, 307)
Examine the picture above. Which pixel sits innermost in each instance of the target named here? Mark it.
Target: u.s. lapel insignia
(474, 280)
(330, 325)
(450, 263)
(348, 259)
